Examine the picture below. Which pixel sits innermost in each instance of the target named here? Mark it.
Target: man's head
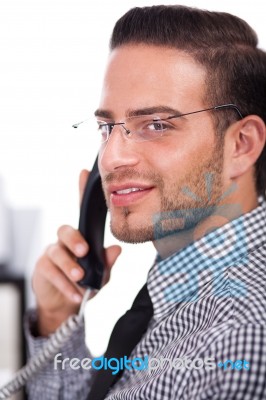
(170, 60)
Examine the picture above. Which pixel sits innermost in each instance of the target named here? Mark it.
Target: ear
(245, 141)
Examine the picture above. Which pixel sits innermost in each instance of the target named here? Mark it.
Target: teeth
(129, 190)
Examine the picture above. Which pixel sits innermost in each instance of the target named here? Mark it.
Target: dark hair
(223, 43)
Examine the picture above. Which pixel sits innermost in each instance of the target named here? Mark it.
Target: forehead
(145, 76)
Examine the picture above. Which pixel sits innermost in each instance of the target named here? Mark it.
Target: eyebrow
(138, 112)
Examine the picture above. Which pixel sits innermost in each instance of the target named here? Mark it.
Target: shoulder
(239, 367)
(246, 284)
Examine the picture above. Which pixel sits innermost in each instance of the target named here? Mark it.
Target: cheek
(172, 159)
(179, 162)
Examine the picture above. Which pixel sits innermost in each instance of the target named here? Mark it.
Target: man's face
(170, 172)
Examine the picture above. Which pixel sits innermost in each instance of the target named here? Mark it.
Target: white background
(53, 54)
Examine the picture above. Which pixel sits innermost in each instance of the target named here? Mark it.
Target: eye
(155, 126)
(102, 127)
(158, 126)
(104, 130)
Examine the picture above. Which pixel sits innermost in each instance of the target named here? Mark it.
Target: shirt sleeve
(240, 367)
(59, 381)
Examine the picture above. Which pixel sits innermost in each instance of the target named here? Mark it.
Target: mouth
(123, 196)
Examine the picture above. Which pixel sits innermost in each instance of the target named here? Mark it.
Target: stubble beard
(188, 194)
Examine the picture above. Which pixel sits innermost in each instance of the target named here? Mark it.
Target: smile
(126, 196)
(129, 190)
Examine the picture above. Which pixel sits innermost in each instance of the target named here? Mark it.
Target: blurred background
(53, 54)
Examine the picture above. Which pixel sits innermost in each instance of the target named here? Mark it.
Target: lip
(126, 199)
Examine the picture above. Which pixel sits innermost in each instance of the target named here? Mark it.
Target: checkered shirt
(209, 304)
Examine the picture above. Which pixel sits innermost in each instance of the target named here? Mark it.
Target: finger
(61, 258)
(73, 240)
(58, 280)
(111, 254)
(83, 177)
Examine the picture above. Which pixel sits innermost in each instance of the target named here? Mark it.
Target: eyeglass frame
(214, 108)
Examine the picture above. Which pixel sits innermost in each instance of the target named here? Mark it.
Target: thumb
(83, 177)
(111, 254)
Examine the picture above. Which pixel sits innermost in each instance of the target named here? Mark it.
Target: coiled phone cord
(50, 349)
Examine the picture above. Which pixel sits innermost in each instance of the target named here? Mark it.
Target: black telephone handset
(91, 225)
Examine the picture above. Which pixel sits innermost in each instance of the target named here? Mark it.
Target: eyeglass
(149, 127)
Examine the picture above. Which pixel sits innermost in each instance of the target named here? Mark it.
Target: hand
(57, 272)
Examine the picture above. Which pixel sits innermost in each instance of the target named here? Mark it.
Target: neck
(224, 212)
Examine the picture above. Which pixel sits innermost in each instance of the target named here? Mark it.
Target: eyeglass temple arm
(230, 105)
(79, 123)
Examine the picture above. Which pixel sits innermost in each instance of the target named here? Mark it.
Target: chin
(127, 226)
(126, 233)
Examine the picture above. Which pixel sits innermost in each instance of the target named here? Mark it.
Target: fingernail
(80, 249)
(77, 298)
(76, 273)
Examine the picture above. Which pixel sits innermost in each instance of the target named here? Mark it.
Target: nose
(118, 152)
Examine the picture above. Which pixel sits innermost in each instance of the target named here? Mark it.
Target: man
(182, 161)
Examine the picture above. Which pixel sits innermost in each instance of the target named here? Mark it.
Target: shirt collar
(186, 275)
